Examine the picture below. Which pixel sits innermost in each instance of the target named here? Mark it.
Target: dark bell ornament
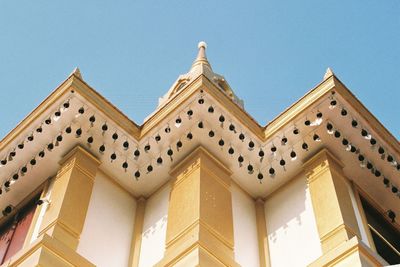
(241, 137)
(189, 136)
(81, 110)
(343, 112)
(271, 171)
(201, 101)
(221, 142)
(90, 139)
(147, 148)
(137, 174)
(50, 146)
(125, 165)
(78, 132)
(157, 138)
(68, 130)
(337, 134)
(159, 160)
(125, 145)
(136, 153)
(354, 123)
(231, 150)
(304, 146)
(149, 168)
(210, 109)
(307, 123)
(211, 133)
(296, 131)
(115, 136)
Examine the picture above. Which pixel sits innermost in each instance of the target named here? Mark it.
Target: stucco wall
(245, 228)
(154, 228)
(292, 231)
(107, 232)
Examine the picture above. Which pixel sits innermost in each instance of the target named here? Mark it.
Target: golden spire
(201, 56)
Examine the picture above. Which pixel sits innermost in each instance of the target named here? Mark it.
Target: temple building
(200, 182)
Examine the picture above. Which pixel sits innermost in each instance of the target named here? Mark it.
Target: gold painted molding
(136, 242)
(200, 219)
(70, 195)
(350, 253)
(48, 252)
(331, 201)
(263, 246)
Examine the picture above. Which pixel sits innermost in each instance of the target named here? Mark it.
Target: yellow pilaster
(70, 196)
(263, 246)
(334, 213)
(200, 222)
(137, 233)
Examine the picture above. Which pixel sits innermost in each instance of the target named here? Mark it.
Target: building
(200, 182)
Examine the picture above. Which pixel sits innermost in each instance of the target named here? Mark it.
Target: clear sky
(270, 52)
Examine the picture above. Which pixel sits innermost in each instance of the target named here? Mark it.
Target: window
(14, 231)
(385, 236)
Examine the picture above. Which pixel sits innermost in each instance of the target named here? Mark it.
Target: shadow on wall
(155, 227)
(284, 208)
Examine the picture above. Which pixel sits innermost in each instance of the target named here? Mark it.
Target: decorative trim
(134, 255)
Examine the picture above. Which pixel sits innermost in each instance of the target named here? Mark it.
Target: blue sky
(270, 52)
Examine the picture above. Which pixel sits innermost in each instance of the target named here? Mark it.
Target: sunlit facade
(200, 182)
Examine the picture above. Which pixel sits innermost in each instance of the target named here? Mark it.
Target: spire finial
(201, 55)
(76, 72)
(328, 73)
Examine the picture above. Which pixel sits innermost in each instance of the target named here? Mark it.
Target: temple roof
(200, 66)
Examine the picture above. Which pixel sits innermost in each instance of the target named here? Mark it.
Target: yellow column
(137, 233)
(334, 213)
(70, 196)
(263, 248)
(200, 222)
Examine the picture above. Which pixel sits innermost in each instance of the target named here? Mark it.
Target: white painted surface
(154, 228)
(107, 232)
(292, 231)
(245, 228)
(363, 233)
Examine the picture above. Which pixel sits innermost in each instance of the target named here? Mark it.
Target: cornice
(74, 84)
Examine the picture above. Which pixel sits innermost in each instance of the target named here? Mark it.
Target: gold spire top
(328, 73)
(201, 56)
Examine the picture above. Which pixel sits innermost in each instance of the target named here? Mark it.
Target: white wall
(107, 232)
(245, 228)
(154, 228)
(292, 232)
